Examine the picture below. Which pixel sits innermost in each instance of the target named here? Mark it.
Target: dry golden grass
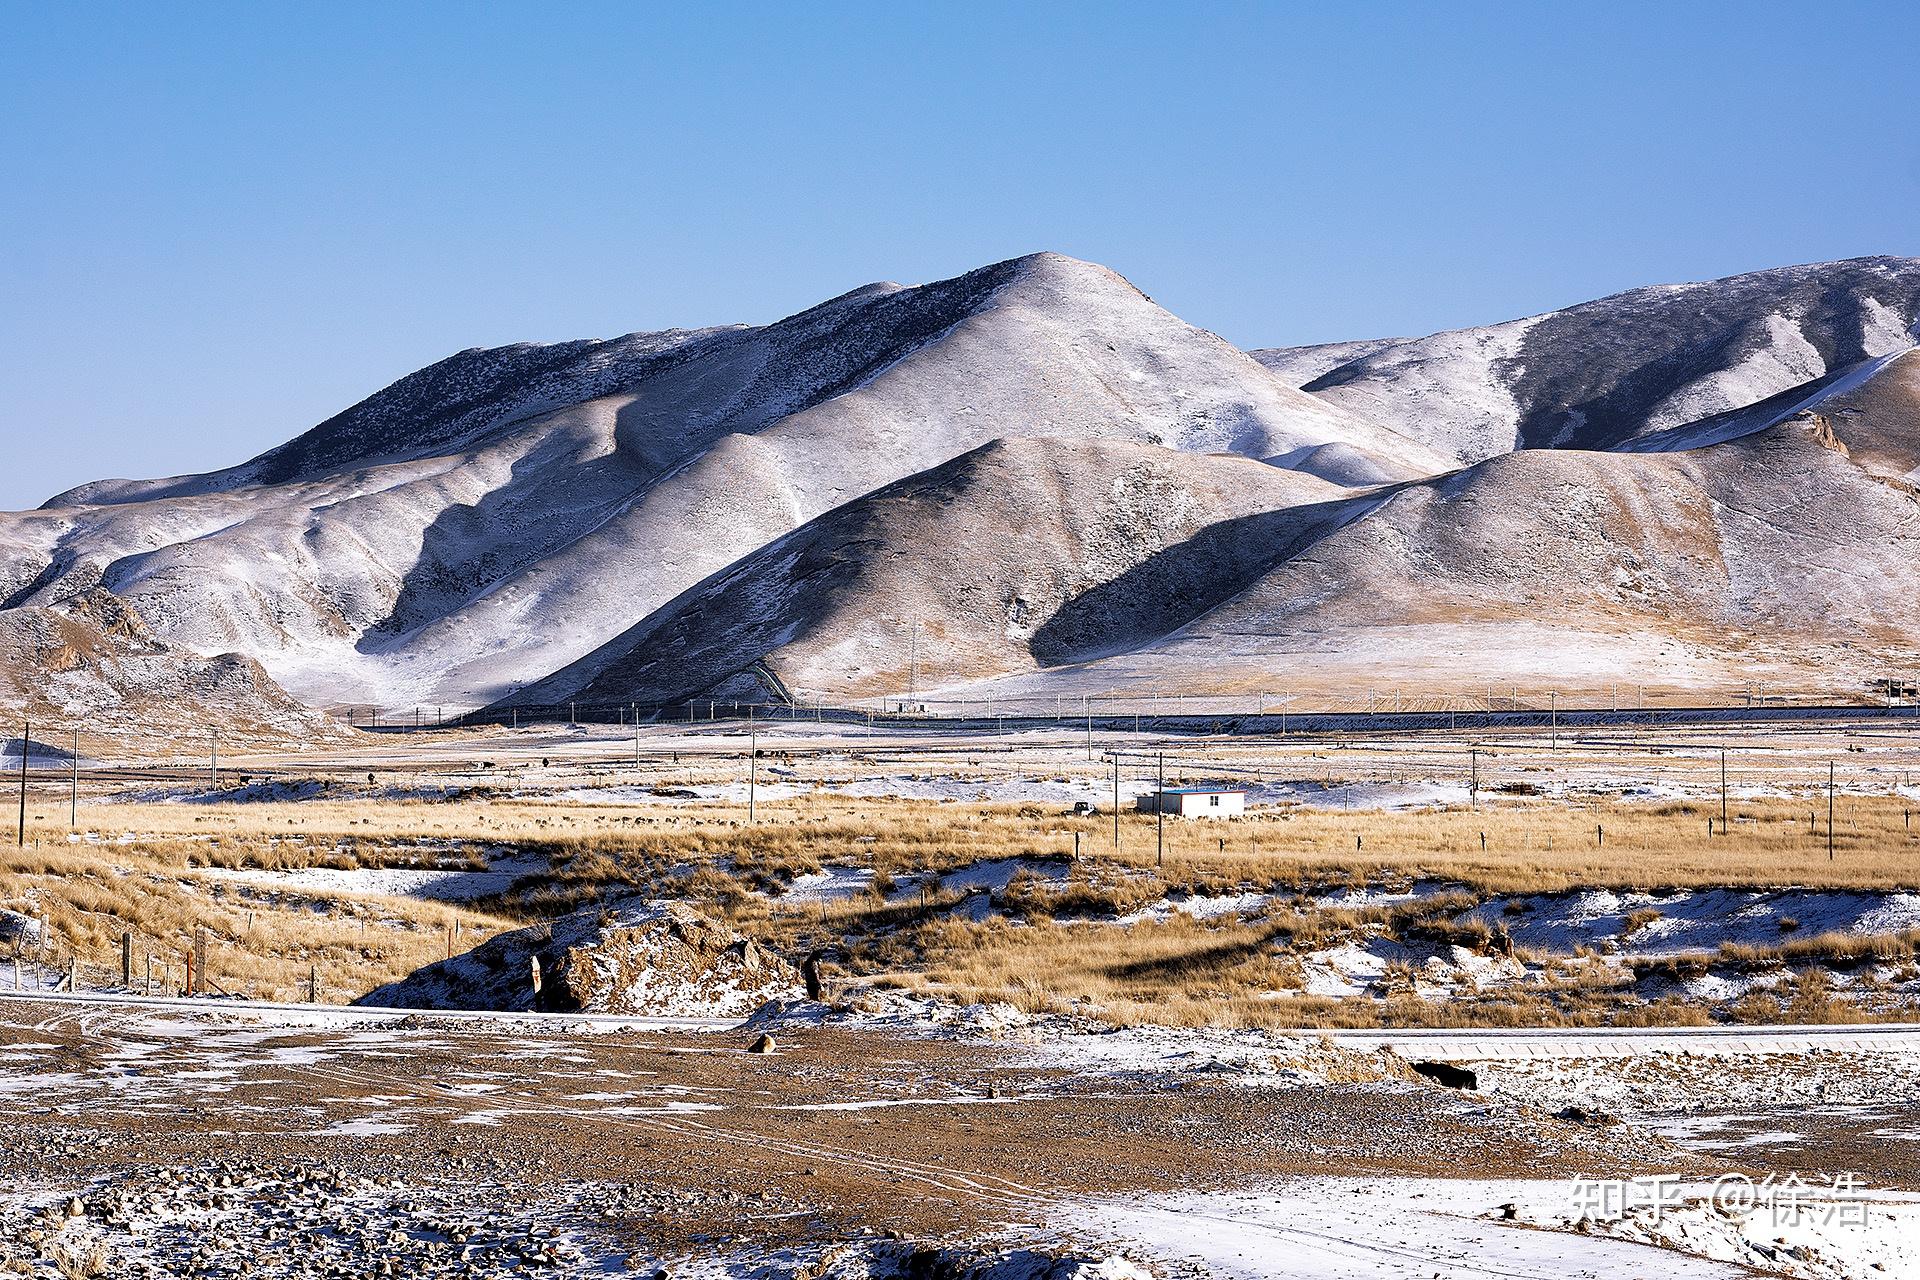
(262, 942)
(1181, 972)
(1176, 971)
(1530, 847)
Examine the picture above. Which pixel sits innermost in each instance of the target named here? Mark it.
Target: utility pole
(1086, 709)
(913, 662)
(1116, 802)
(1829, 811)
(1553, 715)
(216, 758)
(1723, 791)
(1473, 778)
(73, 796)
(1160, 811)
(26, 745)
(753, 768)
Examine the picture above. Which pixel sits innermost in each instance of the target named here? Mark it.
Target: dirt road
(203, 1141)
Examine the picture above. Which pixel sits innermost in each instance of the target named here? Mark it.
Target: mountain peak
(1073, 469)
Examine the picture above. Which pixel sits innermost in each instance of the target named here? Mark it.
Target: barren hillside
(1030, 477)
(1017, 556)
(488, 521)
(1779, 560)
(91, 665)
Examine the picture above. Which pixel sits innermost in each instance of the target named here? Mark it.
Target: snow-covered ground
(1361, 1228)
(1062, 791)
(1723, 1220)
(442, 885)
(1693, 921)
(839, 883)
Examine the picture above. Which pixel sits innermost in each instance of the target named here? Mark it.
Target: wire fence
(1260, 712)
(38, 960)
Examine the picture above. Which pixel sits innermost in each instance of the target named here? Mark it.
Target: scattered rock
(1446, 1073)
(1574, 1113)
(889, 1260)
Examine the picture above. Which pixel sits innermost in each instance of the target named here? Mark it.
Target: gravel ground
(169, 1144)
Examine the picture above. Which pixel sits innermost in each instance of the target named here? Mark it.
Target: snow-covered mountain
(1779, 560)
(491, 519)
(1017, 556)
(1599, 374)
(1032, 477)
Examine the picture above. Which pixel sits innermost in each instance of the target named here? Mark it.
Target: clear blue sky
(221, 223)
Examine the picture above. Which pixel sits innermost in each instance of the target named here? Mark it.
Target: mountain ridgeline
(1031, 480)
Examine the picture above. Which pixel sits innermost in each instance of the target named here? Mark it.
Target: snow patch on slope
(1456, 386)
(1787, 359)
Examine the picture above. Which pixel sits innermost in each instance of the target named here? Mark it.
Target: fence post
(126, 961)
(313, 984)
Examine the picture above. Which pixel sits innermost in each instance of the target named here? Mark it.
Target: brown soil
(837, 1135)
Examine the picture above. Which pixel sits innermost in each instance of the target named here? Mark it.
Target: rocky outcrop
(643, 958)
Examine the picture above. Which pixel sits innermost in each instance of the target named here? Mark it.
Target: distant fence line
(1254, 713)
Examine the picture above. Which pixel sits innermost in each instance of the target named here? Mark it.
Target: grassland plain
(343, 878)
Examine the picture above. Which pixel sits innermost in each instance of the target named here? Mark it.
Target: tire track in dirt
(978, 1186)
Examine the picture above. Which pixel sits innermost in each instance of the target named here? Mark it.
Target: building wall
(1228, 804)
(1225, 804)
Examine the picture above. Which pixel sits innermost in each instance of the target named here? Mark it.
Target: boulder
(657, 959)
